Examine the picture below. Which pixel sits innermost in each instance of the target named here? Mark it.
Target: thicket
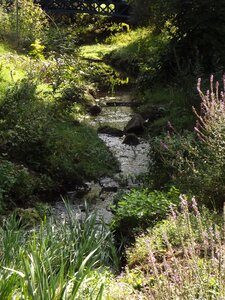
(23, 24)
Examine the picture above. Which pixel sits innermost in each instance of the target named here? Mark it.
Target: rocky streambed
(119, 127)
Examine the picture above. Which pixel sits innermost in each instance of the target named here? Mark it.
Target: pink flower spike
(173, 213)
(163, 145)
(195, 206)
(184, 203)
(211, 83)
(199, 85)
(224, 82)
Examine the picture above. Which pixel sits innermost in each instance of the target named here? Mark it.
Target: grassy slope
(12, 65)
(116, 42)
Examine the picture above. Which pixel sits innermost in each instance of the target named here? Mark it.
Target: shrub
(24, 124)
(15, 181)
(139, 209)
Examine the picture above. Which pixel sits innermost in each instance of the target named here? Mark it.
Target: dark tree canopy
(196, 27)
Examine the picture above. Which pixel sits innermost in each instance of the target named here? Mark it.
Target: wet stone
(110, 131)
(131, 139)
(109, 184)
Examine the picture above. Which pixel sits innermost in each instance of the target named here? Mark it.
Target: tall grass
(59, 260)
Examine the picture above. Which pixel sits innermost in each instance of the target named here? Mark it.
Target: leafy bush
(32, 22)
(15, 183)
(24, 124)
(141, 208)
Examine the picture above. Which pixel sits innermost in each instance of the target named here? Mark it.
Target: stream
(116, 112)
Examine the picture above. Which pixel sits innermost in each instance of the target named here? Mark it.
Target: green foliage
(76, 152)
(141, 208)
(142, 53)
(169, 153)
(196, 37)
(32, 22)
(155, 12)
(63, 38)
(199, 34)
(37, 50)
(16, 183)
(60, 260)
(195, 161)
(44, 137)
(24, 122)
(179, 258)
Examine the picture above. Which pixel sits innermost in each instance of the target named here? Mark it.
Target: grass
(58, 260)
(12, 65)
(77, 151)
(115, 42)
(4, 48)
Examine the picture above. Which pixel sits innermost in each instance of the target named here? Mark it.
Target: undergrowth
(180, 258)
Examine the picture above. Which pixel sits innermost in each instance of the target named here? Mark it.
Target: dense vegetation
(50, 69)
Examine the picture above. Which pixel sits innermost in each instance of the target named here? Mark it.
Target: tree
(196, 28)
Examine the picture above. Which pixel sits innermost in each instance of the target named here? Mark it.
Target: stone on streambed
(152, 113)
(109, 185)
(122, 103)
(135, 125)
(95, 110)
(110, 131)
(131, 139)
(93, 193)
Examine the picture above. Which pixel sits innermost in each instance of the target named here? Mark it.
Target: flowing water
(116, 112)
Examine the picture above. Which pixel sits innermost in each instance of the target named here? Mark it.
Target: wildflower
(184, 203)
(195, 206)
(163, 145)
